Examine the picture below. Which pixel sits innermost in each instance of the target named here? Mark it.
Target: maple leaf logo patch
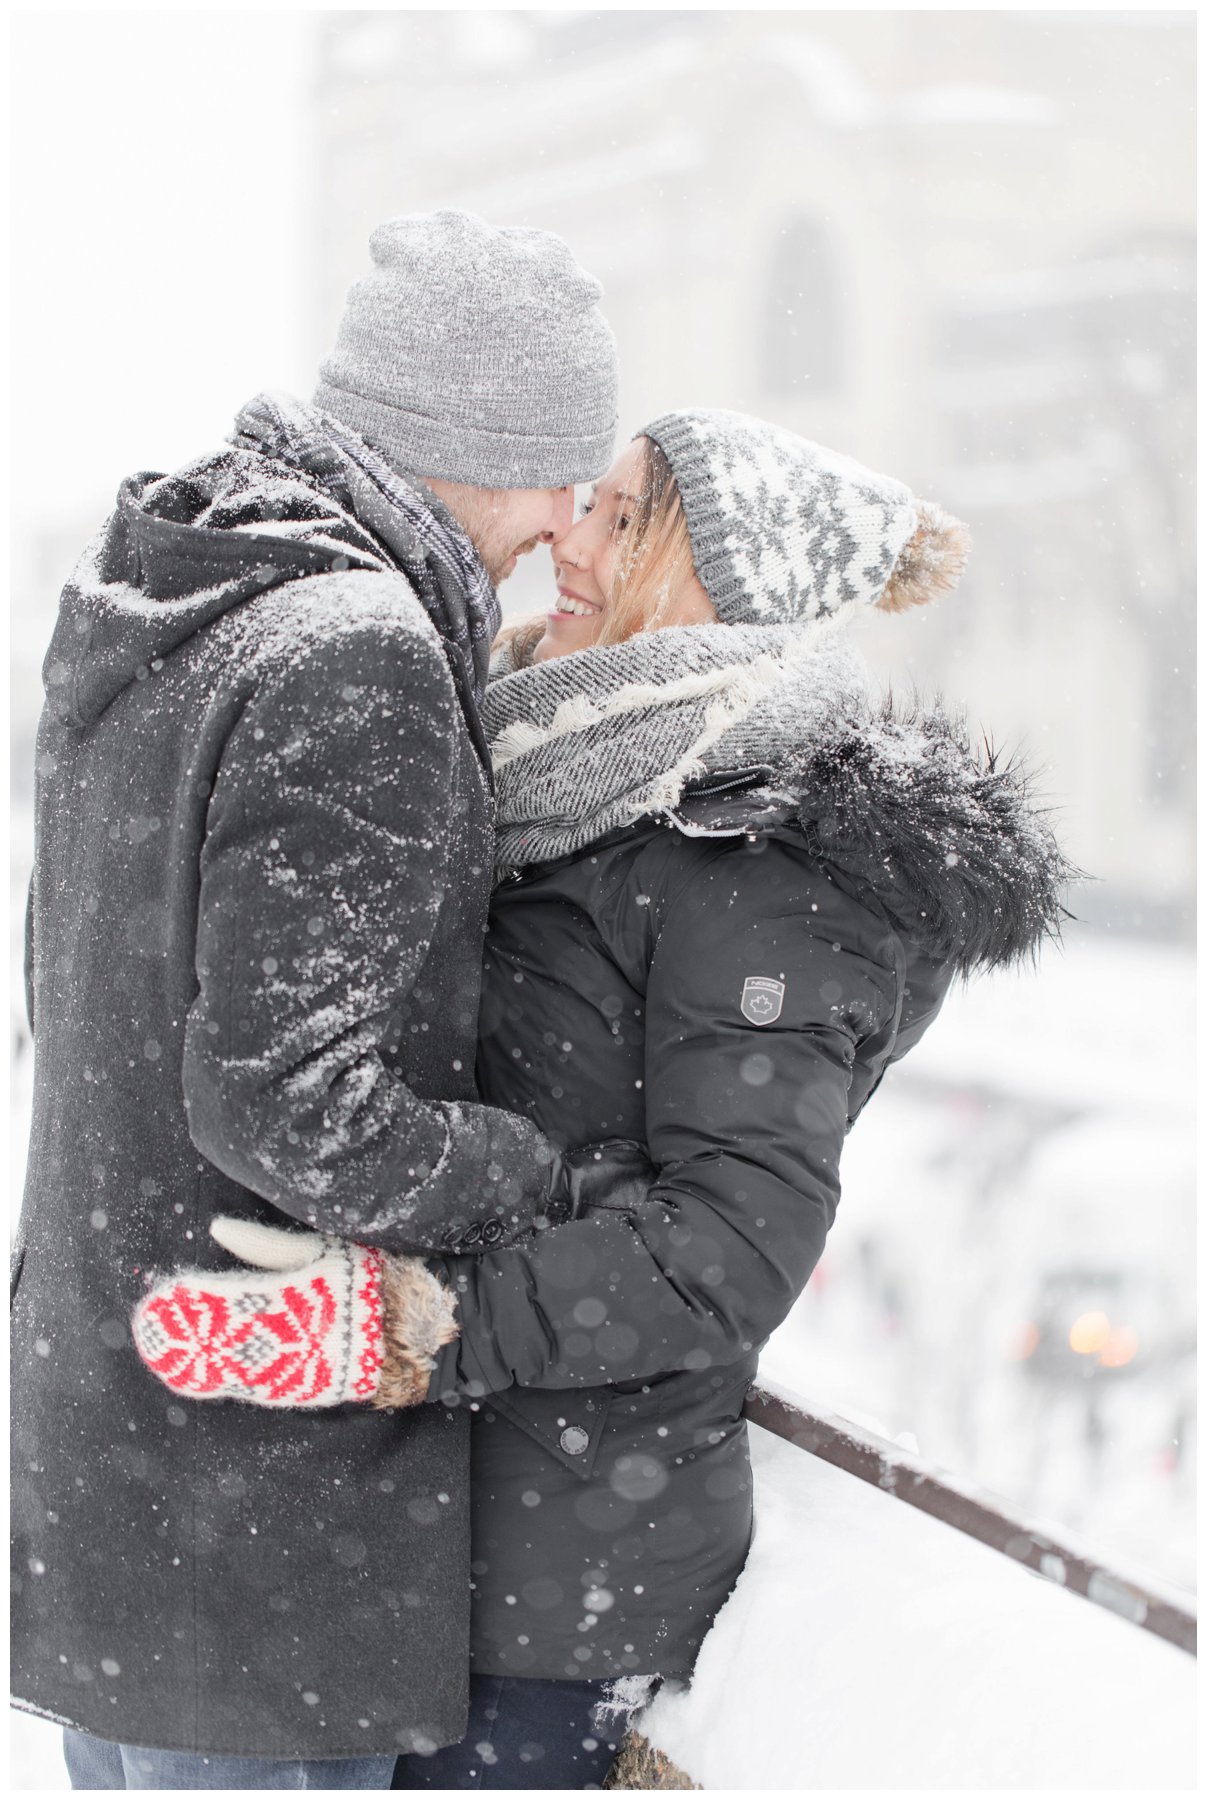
(762, 999)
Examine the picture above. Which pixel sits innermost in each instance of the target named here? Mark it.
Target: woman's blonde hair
(653, 560)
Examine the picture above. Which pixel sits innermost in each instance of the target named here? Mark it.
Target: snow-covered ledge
(894, 1465)
(869, 1645)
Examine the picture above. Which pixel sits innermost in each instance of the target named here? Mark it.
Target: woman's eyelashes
(620, 523)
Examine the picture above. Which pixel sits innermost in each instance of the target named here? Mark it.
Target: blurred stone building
(956, 245)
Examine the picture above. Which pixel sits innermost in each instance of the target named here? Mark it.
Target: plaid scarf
(421, 535)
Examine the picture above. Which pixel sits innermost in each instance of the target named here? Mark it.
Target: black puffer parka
(728, 983)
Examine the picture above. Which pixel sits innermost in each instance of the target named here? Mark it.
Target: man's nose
(562, 516)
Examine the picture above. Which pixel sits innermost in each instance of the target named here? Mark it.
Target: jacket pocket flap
(567, 1425)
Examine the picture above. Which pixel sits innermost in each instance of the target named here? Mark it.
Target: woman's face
(584, 560)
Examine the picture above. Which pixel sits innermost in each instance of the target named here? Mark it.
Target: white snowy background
(958, 245)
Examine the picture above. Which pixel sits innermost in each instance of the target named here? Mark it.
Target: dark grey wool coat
(730, 985)
(262, 873)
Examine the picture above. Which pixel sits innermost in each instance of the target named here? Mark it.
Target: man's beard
(498, 562)
(490, 536)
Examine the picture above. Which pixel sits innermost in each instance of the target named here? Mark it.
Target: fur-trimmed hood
(726, 730)
(949, 838)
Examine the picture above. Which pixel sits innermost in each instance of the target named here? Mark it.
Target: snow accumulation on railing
(965, 1508)
(937, 1644)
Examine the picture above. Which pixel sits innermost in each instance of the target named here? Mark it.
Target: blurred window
(801, 344)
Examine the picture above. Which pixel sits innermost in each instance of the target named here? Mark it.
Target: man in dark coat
(262, 872)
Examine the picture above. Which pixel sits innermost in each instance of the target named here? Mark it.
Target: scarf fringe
(739, 685)
(747, 685)
(592, 741)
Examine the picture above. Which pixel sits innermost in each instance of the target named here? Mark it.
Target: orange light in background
(1119, 1348)
(1089, 1333)
(1025, 1340)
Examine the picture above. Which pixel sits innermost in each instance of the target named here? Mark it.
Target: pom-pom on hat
(783, 530)
(477, 354)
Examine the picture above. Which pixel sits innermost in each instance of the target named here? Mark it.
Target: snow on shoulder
(320, 613)
(868, 1645)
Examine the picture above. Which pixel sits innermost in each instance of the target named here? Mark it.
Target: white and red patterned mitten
(305, 1331)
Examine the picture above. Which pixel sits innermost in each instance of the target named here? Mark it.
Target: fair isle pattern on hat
(782, 530)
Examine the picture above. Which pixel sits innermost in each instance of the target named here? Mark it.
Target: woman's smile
(574, 605)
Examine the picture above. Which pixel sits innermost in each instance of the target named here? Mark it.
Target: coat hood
(177, 552)
(948, 838)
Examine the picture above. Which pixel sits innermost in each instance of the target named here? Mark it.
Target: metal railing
(978, 1515)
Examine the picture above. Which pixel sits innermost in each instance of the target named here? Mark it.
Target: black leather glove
(615, 1175)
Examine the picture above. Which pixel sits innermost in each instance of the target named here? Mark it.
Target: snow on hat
(783, 530)
(477, 354)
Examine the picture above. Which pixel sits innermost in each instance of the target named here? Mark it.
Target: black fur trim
(950, 840)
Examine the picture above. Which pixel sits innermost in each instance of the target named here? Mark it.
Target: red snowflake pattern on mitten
(303, 1338)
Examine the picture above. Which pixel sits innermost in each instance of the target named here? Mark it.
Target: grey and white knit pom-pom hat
(784, 531)
(477, 354)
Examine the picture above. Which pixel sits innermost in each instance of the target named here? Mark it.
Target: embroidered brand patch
(762, 999)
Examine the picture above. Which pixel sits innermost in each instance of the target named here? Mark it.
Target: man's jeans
(522, 1735)
(93, 1762)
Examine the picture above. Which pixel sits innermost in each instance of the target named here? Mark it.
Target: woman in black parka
(733, 888)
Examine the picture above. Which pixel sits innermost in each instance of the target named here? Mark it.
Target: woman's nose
(566, 541)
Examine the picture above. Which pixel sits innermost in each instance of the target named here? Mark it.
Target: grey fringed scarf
(585, 743)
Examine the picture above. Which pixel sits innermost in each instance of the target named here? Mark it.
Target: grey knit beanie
(783, 530)
(476, 354)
